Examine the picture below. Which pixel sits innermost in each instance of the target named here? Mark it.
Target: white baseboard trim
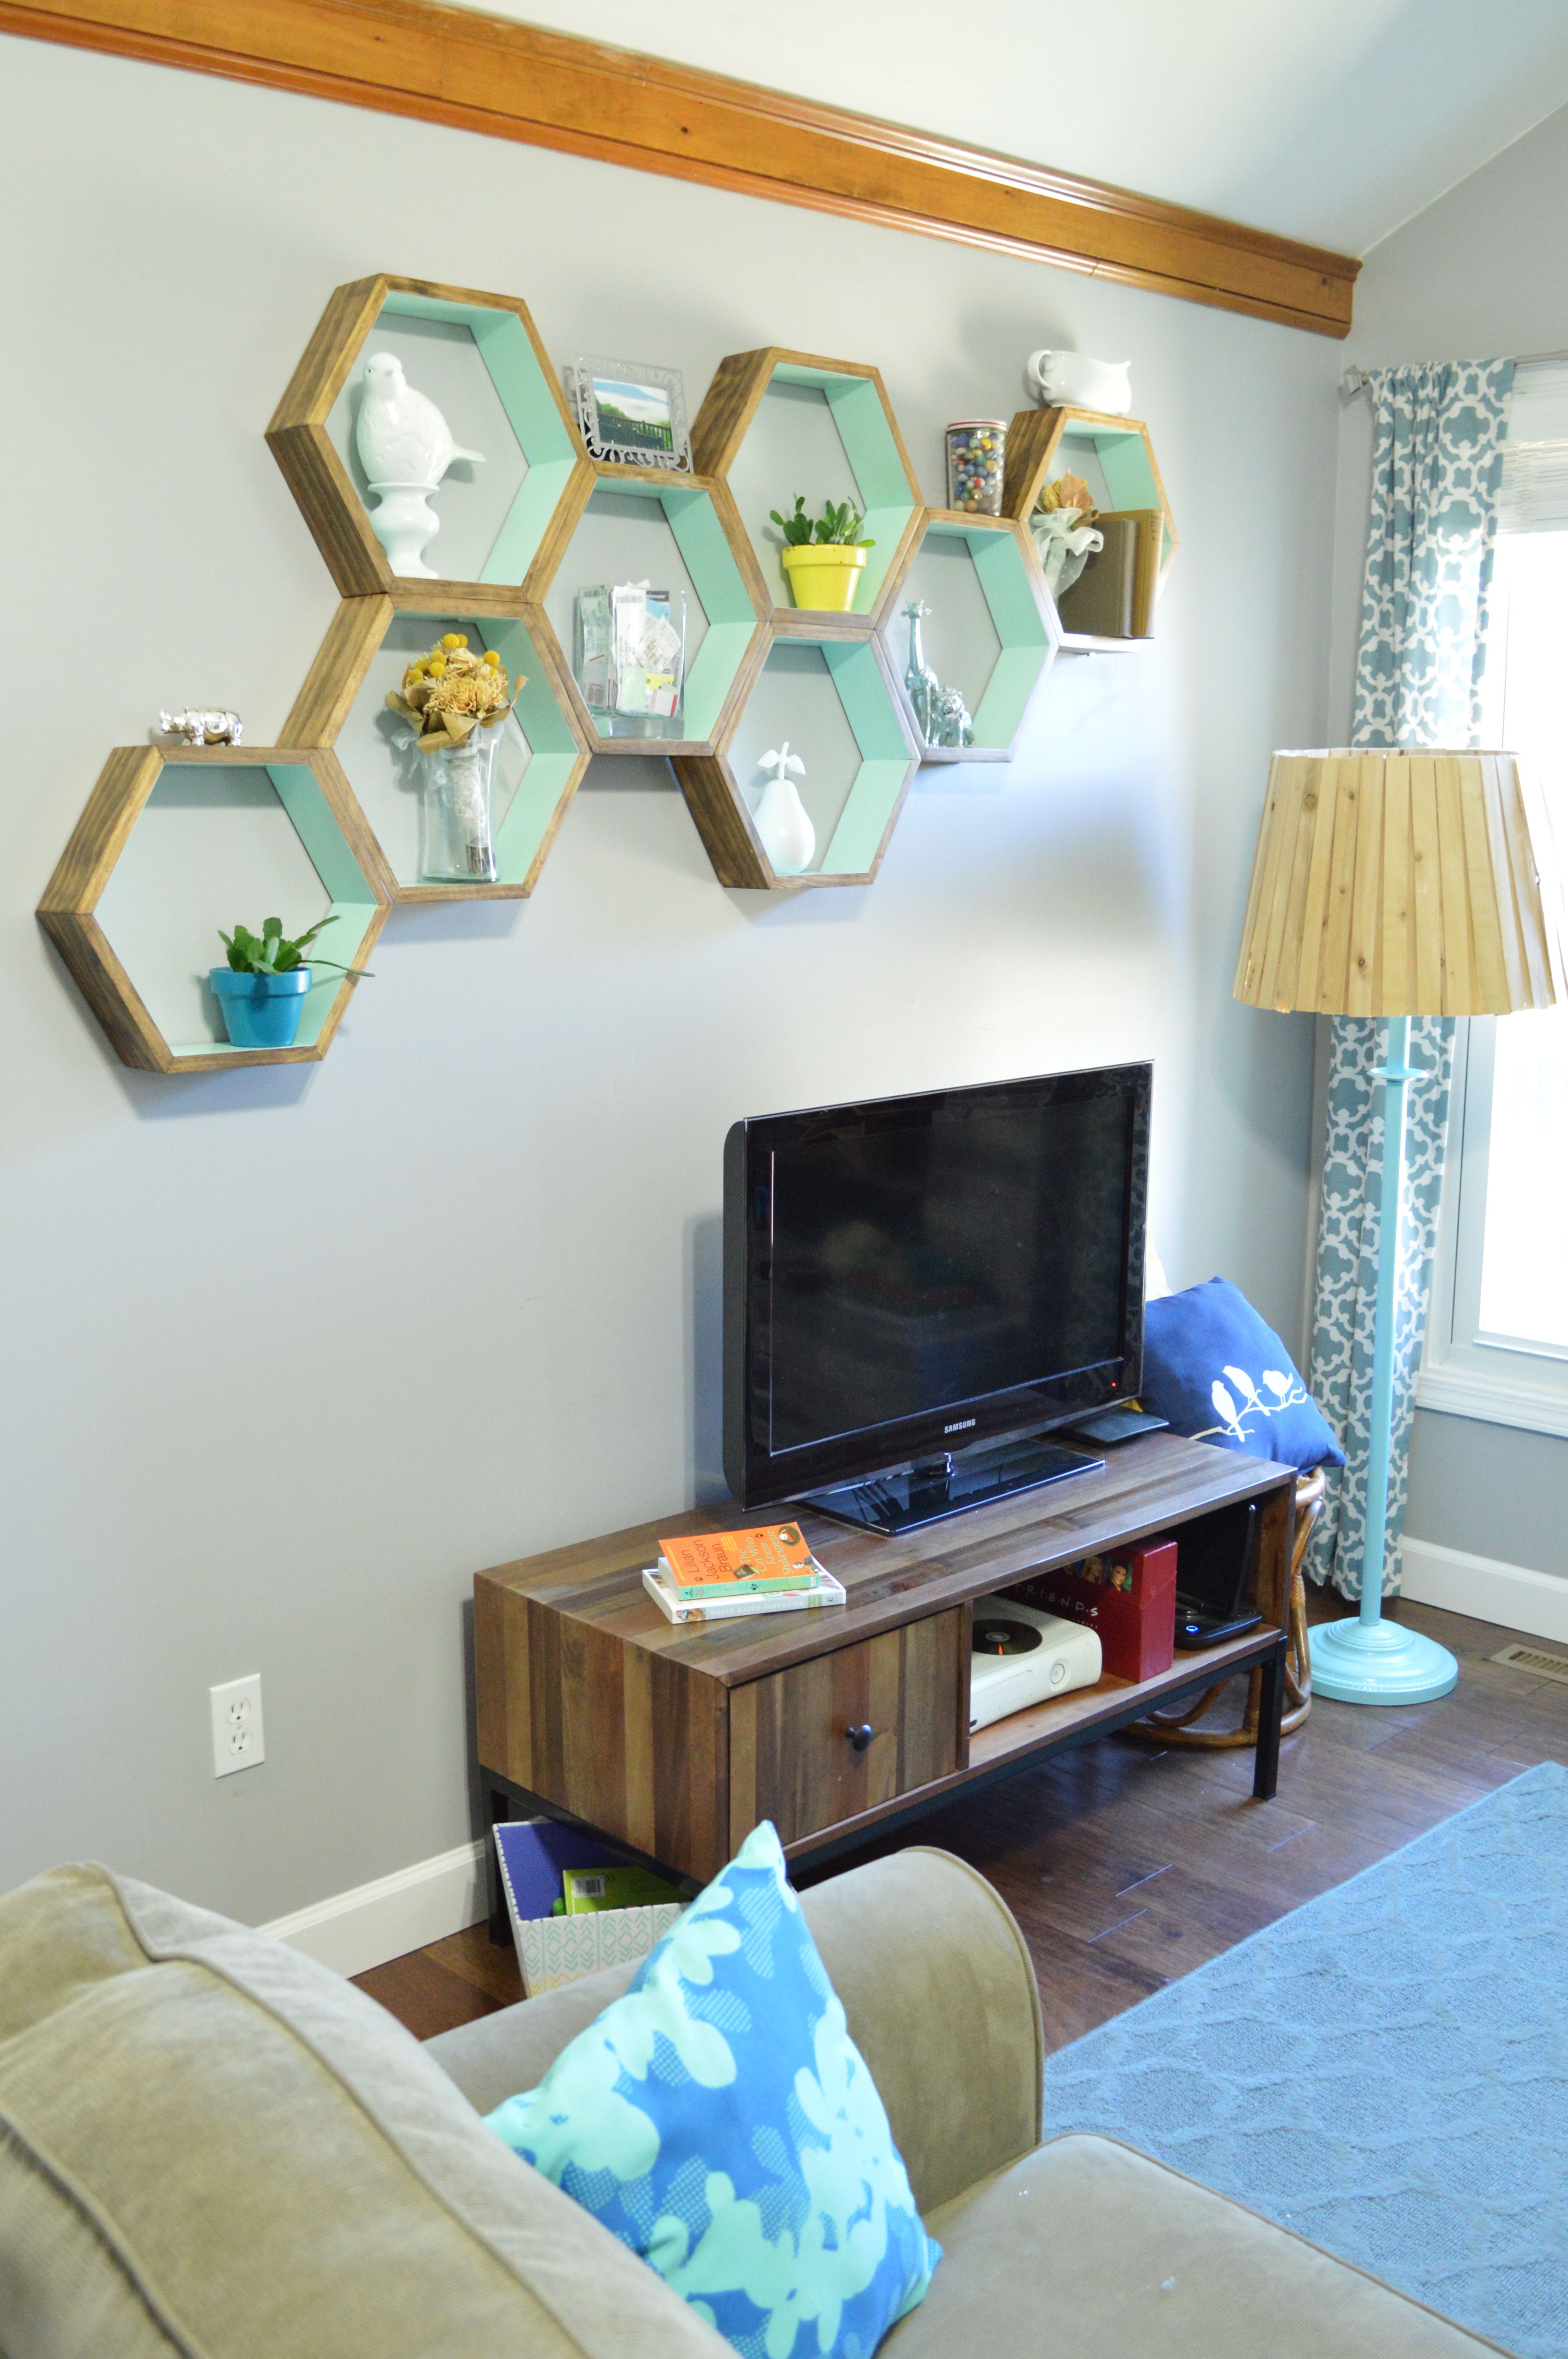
(1509, 1594)
(355, 1931)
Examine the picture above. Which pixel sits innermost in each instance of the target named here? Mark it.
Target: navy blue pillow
(1217, 1374)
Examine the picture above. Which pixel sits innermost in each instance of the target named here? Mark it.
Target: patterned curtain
(1436, 465)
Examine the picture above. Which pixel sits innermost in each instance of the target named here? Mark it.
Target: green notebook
(588, 1889)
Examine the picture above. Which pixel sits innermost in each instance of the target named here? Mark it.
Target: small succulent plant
(271, 952)
(835, 527)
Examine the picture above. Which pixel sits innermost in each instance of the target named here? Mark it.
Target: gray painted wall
(290, 1355)
(1471, 277)
(1493, 1490)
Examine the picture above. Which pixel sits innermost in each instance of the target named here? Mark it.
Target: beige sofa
(210, 2145)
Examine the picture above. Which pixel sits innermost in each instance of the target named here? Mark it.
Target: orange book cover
(729, 1564)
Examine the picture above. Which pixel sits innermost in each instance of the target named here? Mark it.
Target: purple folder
(533, 1851)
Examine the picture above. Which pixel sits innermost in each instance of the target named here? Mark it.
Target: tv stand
(908, 1496)
(675, 1739)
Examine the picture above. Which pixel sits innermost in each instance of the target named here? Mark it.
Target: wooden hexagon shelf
(988, 629)
(539, 759)
(479, 358)
(177, 841)
(676, 531)
(1116, 458)
(776, 423)
(834, 697)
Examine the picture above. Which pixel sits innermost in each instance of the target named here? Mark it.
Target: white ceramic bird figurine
(402, 436)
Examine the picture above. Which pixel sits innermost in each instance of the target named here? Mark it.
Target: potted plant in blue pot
(262, 989)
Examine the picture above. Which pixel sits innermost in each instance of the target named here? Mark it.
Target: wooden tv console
(676, 1740)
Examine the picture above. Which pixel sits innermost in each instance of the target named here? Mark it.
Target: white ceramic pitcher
(1074, 381)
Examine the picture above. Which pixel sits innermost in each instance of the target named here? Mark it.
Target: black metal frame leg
(1270, 1711)
(497, 1811)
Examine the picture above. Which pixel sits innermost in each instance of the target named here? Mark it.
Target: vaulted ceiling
(1332, 121)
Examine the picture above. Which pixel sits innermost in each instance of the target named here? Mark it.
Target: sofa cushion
(1218, 1373)
(913, 1943)
(1088, 2248)
(719, 2119)
(212, 2144)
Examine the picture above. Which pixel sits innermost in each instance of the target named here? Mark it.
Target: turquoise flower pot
(261, 1011)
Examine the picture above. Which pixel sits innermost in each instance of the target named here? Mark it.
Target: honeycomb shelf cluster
(331, 815)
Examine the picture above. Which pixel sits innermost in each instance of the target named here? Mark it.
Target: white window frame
(1465, 1371)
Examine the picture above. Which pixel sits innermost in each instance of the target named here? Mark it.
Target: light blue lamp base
(1368, 1660)
(1379, 1662)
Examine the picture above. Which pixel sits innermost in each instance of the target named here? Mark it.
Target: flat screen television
(918, 1289)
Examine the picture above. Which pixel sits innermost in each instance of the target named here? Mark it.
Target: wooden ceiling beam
(456, 66)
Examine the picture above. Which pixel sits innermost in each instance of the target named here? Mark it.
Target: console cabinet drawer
(791, 1759)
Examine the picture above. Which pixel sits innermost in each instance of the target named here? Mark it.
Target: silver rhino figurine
(201, 727)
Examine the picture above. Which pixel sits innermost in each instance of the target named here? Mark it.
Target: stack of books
(719, 1576)
(1113, 598)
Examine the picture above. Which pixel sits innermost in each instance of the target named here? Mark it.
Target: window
(1497, 1338)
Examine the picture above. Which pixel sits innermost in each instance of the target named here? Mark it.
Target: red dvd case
(1128, 1596)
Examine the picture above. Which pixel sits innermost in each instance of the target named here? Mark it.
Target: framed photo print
(632, 413)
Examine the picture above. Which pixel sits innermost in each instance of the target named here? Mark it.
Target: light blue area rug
(1385, 2071)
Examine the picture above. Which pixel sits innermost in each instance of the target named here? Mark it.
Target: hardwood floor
(1126, 1865)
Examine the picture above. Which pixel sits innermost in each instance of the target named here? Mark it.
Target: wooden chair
(1177, 1728)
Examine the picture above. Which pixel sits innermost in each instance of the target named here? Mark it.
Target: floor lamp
(1394, 885)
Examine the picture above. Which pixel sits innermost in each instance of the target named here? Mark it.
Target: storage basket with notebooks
(576, 1904)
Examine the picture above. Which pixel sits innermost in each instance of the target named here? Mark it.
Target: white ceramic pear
(788, 837)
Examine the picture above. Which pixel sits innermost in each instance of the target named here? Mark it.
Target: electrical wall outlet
(237, 1739)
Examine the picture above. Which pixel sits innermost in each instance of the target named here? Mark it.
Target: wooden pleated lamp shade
(1404, 884)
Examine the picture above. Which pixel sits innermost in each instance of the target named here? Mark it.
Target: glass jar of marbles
(976, 447)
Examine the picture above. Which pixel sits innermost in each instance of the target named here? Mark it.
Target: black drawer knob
(860, 1737)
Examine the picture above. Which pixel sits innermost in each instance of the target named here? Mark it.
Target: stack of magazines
(719, 1576)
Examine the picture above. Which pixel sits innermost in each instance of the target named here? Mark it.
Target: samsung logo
(962, 1427)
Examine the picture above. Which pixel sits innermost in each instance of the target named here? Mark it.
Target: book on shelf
(734, 1564)
(1149, 547)
(1098, 604)
(824, 1592)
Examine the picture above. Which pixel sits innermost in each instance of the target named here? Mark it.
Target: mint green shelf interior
(216, 842)
(1114, 463)
(831, 701)
(485, 377)
(886, 761)
(611, 545)
(1006, 660)
(868, 468)
(554, 755)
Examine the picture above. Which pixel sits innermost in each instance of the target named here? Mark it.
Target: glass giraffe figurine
(921, 683)
(940, 713)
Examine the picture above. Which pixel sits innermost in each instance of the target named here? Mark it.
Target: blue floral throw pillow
(1218, 1373)
(719, 2120)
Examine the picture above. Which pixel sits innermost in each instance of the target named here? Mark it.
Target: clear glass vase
(459, 847)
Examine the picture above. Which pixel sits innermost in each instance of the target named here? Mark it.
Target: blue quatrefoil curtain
(1436, 465)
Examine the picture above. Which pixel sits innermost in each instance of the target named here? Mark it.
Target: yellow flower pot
(823, 577)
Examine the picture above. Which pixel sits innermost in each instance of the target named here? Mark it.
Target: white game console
(1020, 1657)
